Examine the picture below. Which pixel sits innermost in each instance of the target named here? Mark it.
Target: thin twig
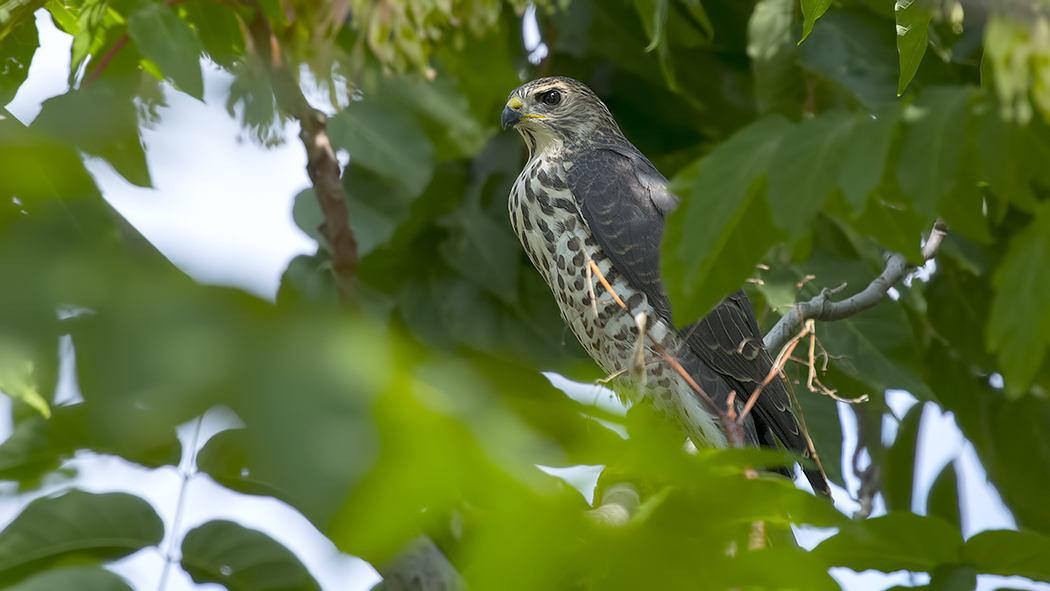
(185, 473)
(822, 308)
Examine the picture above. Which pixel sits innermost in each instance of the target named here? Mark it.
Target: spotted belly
(545, 217)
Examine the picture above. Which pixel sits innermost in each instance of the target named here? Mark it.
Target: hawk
(589, 210)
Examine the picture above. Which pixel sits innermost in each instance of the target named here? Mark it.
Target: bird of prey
(589, 209)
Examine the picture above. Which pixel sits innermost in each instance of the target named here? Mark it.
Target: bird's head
(554, 111)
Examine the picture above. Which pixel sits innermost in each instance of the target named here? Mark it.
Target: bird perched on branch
(589, 209)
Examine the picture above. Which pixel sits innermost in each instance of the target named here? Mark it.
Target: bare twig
(322, 165)
(822, 308)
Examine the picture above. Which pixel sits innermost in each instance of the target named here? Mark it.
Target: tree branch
(619, 503)
(822, 308)
(322, 165)
(420, 566)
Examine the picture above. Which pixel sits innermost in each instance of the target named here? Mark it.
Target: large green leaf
(388, 142)
(16, 53)
(865, 155)
(898, 484)
(482, 250)
(218, 29)
(242, 559)
(723, 227)
(779, 80)
(897, 541)
(804, 168)
(854, 48)
(811, 11)
(998, 426)
(1003, 552)
(930, 157)
(101, 122)
(913, 24)
(943, 500)
(32, 166)
(442, 111)
(77, 526)
(81, 578)
(1019, 327)
(166, 39)
(953, 577)
(39, 445)
(898, 229)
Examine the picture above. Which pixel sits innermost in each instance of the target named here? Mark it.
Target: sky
(221, 209)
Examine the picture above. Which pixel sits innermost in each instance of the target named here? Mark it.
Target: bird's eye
(551, 97)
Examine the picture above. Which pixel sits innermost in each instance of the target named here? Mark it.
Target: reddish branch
(322, 165)
(112, 53)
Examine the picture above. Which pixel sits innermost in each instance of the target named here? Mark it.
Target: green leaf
(779, 79)
(1008, 553)
(385, 141)
(654, 18)
(166, 40)
(33, 167)
(803, 169)
(77, 525)
(81, 578)
(933, 145)
(218, 29)
(91, 34)
(377, 206)
(899, 230)
(242, 559)
(855, 48)
(102, 123)
(307, 215)
(1019, 327)
(729, 225)
(953, 577)
(943, 500)
(442, 111)
(225, 458)
(483, 251)
(1012, 160)
(16, 377)
(865, 154)
(696, 10)
(16, 53)
(898, 482)
(913, 24)
(64, 18)
(811, 11)
(897, 541)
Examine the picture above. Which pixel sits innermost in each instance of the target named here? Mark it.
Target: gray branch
(420, 566)
(823, 308)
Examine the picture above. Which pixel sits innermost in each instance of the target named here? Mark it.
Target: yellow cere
(514, 103)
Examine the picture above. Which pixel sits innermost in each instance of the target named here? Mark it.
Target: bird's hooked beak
(511, 113)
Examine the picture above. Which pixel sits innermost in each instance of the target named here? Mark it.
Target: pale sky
(221, 211)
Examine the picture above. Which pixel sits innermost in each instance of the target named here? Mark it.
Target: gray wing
(624, 200)
(729, 341)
